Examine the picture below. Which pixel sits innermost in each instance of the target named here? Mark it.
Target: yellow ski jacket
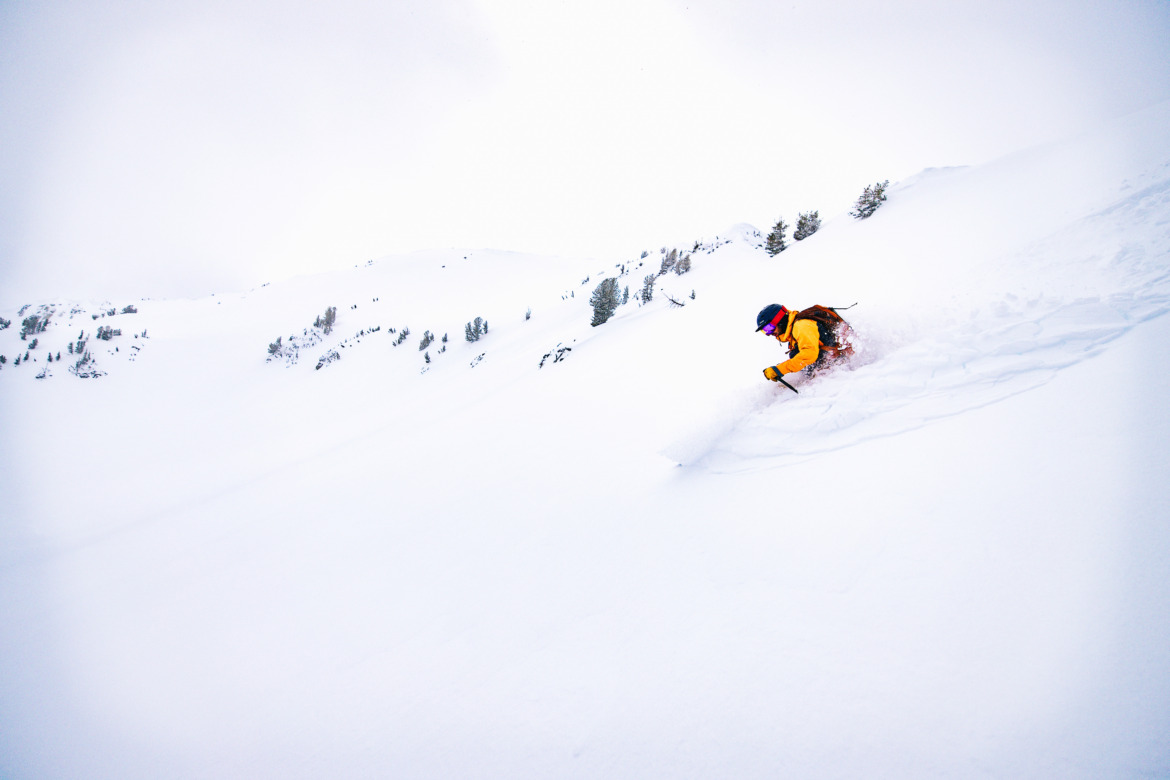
(803, 336)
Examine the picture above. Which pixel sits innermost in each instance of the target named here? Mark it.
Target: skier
(816, 337)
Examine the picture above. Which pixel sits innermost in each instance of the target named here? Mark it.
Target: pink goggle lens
(769, 329)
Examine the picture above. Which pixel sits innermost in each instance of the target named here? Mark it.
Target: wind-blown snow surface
(639, 560)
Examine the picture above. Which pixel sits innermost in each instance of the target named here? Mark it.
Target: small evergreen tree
(870, 200)
(648, 288)
(604, 301)
(806, 225)
(29, 326)
(476, 329)
(683, 265)
(776, 243)
(325, 323)
(425, 341)
(668, 262)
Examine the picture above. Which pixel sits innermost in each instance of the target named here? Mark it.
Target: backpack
(834, 332)
(828, 322)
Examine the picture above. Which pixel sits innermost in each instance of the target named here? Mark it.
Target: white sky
(199, 147)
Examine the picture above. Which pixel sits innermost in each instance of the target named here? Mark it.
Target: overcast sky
(183, 148)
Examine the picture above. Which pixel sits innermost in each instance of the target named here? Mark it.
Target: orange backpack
(836, 336)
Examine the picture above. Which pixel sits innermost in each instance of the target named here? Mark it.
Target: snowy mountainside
(402, 298)
(975, 284)
(971, 284)
(639, 559)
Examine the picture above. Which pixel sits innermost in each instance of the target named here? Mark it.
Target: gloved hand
(772, 373)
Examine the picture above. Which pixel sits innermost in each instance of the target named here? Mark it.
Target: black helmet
(767, 314)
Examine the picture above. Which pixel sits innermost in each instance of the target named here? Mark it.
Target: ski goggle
(770, 328)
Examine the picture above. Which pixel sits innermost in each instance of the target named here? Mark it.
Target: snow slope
(639, 560)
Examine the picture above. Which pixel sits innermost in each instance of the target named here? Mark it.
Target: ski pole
(780, 379)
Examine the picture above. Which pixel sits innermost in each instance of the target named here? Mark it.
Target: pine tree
(604, 301)
(326, 323)
(648, 288)
(806, 225)
(668, 262)
(869, 201)
(475, 330)
(776, 243)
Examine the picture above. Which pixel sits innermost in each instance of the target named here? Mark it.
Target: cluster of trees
(33, 324)
(325, 323)
(810, 222)
(476, 329)
(85, 367)
(870, 200)
(806, 224)
(672, 261)
(131, 309)
(327, 358)
(607, 296)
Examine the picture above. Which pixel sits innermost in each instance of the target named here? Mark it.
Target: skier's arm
(808, 344)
